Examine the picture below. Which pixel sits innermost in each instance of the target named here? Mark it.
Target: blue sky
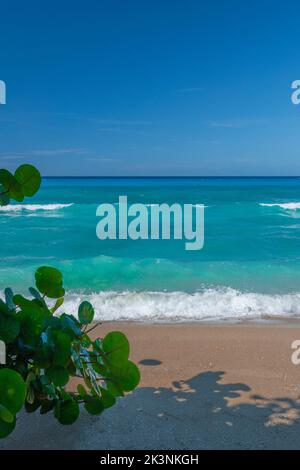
(150, 87)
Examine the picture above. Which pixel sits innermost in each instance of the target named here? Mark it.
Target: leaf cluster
(45, 351)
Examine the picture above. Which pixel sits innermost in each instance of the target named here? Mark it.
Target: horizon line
(166, 177)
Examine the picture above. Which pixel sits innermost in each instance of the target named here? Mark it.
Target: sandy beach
(203, 387)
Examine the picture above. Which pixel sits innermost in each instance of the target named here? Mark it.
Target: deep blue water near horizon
(249, 266)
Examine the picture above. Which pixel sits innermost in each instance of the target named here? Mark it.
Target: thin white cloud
(102, 159)
(44, 153)
(116, 122)
(189, 90)
(102, 120)
(238, 123)
(127, 130)
(64, 151)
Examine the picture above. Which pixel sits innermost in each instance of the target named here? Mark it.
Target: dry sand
(203, 387)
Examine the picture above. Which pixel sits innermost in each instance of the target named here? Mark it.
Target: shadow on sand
(193, 414)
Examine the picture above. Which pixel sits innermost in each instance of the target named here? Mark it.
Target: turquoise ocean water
(249, 266)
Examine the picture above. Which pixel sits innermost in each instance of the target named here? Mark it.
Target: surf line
(152, 221)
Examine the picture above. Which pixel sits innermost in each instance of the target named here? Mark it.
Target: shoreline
(279, 321)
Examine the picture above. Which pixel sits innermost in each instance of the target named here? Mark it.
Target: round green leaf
(29, 179)
(62, 350)
(116, 346)
(4, 308)
(66, 412)
(100, 369)
(12, 390)
(94, 406)
(42, 357)
(108, 399)
(4, 197)
(6, 415)
(58, 375)
(11, 185)
(114, 389)
(85, 313)
(130, 377)
(49, 282)
(6, 428)
(9, 328)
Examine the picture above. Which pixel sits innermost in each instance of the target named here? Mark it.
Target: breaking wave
(287, 205)
(208, 305)
(33, 207)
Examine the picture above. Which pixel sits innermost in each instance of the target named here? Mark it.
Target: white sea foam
(287, 205)
(156, 205)
(209, 305)
(33, 207)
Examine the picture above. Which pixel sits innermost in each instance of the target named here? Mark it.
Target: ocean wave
(193, 205)
(209, 305)
(33, 207)
(156, 205)
(287, 205)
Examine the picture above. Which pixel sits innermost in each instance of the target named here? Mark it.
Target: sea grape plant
(44, 351)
